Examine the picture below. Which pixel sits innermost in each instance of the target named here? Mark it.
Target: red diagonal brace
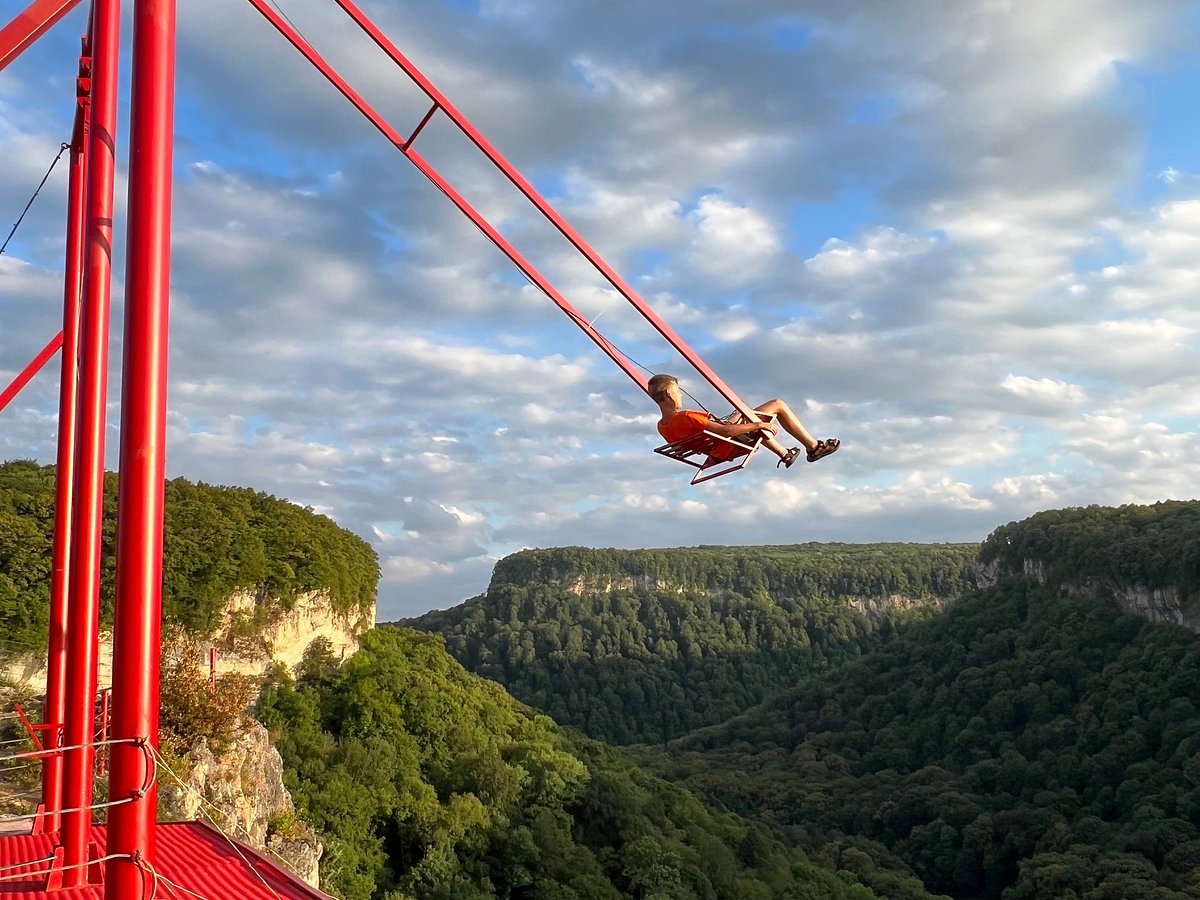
(38, 18)
(440, 103)
(30, 370)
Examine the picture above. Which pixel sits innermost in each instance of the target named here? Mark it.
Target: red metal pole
(84, 614)
(38, 18)
(137, 627)
(54, 710)
(544, 207)
(405, 146)
(35, 365)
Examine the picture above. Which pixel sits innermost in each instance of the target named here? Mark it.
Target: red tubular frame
(32, 368)
(494, 156)
(73, 663)
(137, 626)
(405, 146)
(84, 613)
(38, 18)
(54, 710)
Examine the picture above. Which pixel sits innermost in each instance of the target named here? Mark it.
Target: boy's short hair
(657, 386)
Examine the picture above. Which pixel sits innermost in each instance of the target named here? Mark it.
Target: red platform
(193, 855)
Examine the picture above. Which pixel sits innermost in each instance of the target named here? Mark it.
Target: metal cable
(91, 862)
(204, 802)
(17, 224)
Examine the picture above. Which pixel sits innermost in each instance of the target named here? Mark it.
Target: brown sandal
(823, 449)
(786, 461)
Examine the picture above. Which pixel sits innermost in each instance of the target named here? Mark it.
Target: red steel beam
(440, 103)
(38, 18)
(405, 146)
(137, 626)
(54, 710)
(543, 206)
(84, 613)
(32, 368)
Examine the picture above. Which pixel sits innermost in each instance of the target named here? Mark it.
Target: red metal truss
(32, 368)
(443, 105)
(38, 18)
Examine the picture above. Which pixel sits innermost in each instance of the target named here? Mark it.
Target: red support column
(54, 710)
(84, 614)
(137, 627)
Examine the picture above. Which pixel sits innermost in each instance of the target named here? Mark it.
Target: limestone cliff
(256, 632)
(1157, 604)
(241, 791)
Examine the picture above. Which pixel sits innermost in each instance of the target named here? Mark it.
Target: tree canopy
(216, 540)
(1154, 546)
(646, 645)
(425, 781)
(1021, 745)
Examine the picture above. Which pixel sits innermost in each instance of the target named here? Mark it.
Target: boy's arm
(726, 429)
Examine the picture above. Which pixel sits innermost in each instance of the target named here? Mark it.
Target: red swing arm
(700, 445)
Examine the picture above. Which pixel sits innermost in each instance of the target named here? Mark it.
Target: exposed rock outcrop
(286, 634)
(1160, 604)
(241, 791)
(284, 638)
(877, 609)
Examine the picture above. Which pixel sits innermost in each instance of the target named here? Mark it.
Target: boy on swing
(678, 424)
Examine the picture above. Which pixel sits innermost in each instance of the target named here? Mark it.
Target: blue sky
(964, 238)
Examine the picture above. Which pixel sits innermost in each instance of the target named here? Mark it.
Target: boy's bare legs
(790, 422)
(775, 447)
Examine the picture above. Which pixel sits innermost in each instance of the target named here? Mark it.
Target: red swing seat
(698, 451)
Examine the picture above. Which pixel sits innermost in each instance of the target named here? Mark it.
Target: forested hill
(426, 781)
(1147, 558)
(646, 645)
(216, 540)
(1031, 742)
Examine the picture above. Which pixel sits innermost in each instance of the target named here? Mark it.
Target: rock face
(241, 791)
(886, 607)
(28, 671)
(1161, 604)
(286, 637)
(284, 640)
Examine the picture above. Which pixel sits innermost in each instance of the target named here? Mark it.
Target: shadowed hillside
(1031, 742)
(645, 645)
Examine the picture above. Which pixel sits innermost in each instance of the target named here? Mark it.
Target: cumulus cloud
(936, 230)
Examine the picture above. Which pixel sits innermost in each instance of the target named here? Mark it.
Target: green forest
(1153, 546)
(639, 646)
(426, 781)
(216, 540)
(1023, 745)
(817, 721)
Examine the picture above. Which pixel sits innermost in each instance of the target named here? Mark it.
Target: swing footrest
(698, 451)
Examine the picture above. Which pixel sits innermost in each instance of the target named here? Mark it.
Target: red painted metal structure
(32, 368)
(83, 614)
(54, 709)
(36, 20)
(130, 839)
(138, 612)
(444, 106)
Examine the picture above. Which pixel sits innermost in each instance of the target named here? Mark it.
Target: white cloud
(932, 228)
(1044, 390)
(732, 241)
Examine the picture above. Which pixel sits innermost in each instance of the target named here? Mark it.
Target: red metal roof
(193, 855)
